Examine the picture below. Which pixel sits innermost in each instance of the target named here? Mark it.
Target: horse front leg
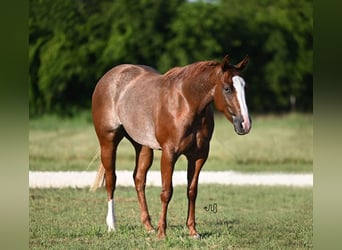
(167, 166)
(144, 158)
(195, 163)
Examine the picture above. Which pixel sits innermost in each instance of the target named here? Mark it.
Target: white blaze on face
(239, 85)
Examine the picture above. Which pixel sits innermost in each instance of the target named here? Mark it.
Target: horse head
(229, 96)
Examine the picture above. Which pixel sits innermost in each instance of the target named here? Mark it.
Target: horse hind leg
(108, 144)
(144, 159)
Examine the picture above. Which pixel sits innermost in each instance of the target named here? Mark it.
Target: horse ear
(225, 63)
(241, 65)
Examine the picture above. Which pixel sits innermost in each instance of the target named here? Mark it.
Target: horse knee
(165, 195)
(192, 193)
(139, 183)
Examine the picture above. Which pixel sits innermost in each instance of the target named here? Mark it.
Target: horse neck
(199, 88)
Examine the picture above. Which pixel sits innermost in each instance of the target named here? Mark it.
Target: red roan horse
(169, 112)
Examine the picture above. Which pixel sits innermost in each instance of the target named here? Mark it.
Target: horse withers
(170, 112)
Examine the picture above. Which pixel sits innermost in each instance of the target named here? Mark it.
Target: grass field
(275, 143)
(246, 218)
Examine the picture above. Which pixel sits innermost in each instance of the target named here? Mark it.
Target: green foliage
(139, 31)
(62, 57)
(73, 43)
(197, 31)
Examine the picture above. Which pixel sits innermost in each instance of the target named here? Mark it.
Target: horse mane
(193, 69)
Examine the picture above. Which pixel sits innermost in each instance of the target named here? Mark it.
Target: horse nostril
(241, 127)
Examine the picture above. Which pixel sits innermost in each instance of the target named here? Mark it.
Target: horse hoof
(161, 236)
(151, 231)
(196, 236)
(111, 230)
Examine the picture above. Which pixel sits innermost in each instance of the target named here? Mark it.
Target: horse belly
(139, 124)
(146, 138)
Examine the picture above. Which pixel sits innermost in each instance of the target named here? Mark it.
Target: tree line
(73, 43)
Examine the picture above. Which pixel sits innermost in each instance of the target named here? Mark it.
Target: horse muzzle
(242, 126)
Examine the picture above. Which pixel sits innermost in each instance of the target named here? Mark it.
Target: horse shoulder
(185, 130)
(206, 128)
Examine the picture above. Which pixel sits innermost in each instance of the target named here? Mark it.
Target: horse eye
(227, 89)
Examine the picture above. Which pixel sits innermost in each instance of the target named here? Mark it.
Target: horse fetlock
(147, 224)
(145, 219)
(191, 225)
(192, 229)
(161, 230)
(161, 234)
(111, 224)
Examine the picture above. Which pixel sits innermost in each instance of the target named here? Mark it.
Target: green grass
(275, 143)
(246, 218)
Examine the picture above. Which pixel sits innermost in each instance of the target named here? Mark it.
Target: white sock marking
(111, 216)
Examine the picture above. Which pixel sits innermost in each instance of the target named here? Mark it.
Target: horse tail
(99, 179)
